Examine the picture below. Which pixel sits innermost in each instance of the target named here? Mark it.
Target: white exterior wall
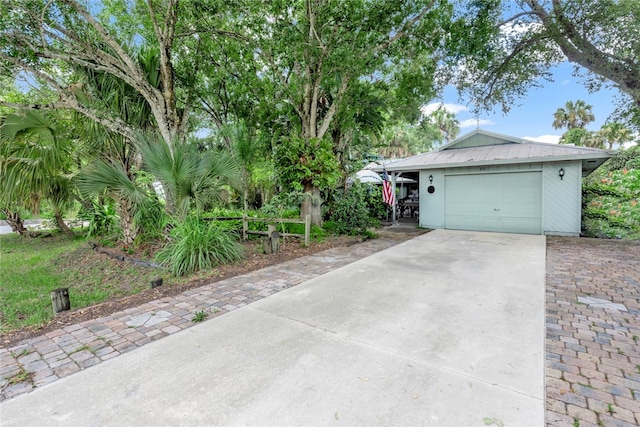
(562, 198)
(432, 205)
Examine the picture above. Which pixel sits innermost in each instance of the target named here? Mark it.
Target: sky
(531, 117)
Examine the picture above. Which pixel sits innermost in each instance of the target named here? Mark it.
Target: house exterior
(490, 182)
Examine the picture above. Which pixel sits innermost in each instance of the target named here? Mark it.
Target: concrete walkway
(445, 329)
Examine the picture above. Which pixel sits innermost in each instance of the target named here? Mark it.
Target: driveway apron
(445, 329)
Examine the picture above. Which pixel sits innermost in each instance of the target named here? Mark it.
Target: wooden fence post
(245, 227)
(60, 300)
(307, 229)
(272, 241)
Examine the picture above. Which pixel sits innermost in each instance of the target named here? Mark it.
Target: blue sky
(531, 116)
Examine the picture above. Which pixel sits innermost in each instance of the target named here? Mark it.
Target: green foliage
(349, 212)
(151, 221)
(199, 316)
(575, 136)
(103, 219)
(190, 179)
(373, 199)
(574, 115)
(318, 234)
(300, 162)
(36, 162)
(611, 198)
(283, 205)
(196, 244)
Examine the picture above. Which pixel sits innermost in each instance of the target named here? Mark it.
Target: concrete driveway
(445, 329)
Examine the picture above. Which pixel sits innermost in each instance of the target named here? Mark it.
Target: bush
(196, 244)
(611, 196)
(349, 212)
(103, 219)
(283, 205)
(151, 219)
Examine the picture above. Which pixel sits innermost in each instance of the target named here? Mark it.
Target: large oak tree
(599, 37)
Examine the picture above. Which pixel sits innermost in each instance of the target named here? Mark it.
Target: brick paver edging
(593, 333)
(47, 358)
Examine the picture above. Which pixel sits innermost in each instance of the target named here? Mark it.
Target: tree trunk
(57, 216)
(312, 204)
(15, 222)
(129, 229)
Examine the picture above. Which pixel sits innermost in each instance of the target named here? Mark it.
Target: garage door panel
(504, 202)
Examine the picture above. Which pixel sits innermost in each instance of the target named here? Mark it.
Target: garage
(501, 202)
(485, 181)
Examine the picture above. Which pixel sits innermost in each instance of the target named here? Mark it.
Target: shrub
(196, 244)
(152, 220)
(103, 219)
(283, 205)
(350, 213)
(611, 196)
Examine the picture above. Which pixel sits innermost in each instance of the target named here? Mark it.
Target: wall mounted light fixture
(561, 173)
(430, 179)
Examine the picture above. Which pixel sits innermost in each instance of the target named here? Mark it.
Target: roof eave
(604, 157)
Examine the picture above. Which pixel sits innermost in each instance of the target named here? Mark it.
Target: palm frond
(111, 177)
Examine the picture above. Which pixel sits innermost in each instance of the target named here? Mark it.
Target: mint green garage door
(502, 202)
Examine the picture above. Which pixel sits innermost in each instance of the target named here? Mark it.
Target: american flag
(387, 192)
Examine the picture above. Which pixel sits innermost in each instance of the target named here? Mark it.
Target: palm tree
(112, 178)
(111, 172)
(190, 179)
(574, 115)
(615, 133)
(398, 145)
(36, 163)
(445, 121)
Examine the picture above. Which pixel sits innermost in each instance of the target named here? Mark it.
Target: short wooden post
(307, 229)
(272, 241)
(60, 300)
(275, 242)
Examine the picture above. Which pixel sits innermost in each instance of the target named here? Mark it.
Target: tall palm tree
(615, 133)
(36, 163)
(574, 115)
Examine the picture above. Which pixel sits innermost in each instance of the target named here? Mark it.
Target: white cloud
(565, 82)
(475, 123)
(452, 108)
(549, 139)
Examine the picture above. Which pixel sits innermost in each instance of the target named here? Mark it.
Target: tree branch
(326, 121)
(407, 26)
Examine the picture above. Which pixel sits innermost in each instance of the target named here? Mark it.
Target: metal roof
(499, 149)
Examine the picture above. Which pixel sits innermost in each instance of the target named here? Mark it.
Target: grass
(20, 377)
(199, 316)
(33, 267)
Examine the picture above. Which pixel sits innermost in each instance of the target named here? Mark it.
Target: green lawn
(30, 268)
